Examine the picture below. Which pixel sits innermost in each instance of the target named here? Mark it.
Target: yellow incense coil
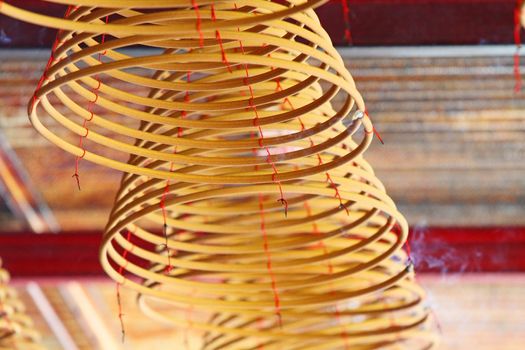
(341, 280)
(16, 328)
(94, 91)
(247, 211)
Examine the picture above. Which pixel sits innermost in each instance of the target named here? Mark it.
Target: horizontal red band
(434, 249)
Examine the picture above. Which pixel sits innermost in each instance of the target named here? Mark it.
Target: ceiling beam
(372, 22)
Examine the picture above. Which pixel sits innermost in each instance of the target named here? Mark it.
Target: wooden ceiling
(452, 124)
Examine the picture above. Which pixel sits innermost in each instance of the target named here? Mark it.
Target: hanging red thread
(260, 345)
(219, 40)
(315, 228)
(198, 23)
(162, 203)
(332, 183)
(374, 130)
(119, 284)
(517, 40)
(68, 12)
(344, 333)
(277, 301)
(50, 61)
(275, 291)
(346, 18)
(330, 267)
(261, 134)
(95, 92)
(320, 161)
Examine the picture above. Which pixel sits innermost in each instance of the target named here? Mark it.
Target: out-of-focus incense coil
(16, 328)
(247, 212)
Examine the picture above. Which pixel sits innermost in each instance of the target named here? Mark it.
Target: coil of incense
(16, 328)
(247, 213)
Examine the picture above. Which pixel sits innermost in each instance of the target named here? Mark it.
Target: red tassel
(517, 40)
(346, 18)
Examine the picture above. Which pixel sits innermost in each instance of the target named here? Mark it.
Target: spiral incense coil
(322, 259)
(92, 90)
(16, 328)
(247, 212)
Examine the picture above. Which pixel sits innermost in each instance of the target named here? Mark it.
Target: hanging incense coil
(322, 259)
(246, 199)
(79, 87)
(16, 328)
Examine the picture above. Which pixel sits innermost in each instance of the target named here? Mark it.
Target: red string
(219, 40)
(165, 193)
(119, 301)
(332, 183)
(315, 228)
(198, 24)
(337, 194)
(261, 134)
(374, 130)
(275, 291)
(328, 178)
(50, 61)
(517, 41)
(260, 345)
(91, 104)
(346, 18)
(169, 267)
(277, 301)
(344, 333)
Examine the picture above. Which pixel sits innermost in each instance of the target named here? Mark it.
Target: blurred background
(438, 77)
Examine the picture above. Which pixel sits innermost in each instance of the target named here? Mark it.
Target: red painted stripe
(434, 249)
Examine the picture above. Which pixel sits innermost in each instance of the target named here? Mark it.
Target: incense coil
(219, 266)
(213, 235)
(73, 91)
(16, 328)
